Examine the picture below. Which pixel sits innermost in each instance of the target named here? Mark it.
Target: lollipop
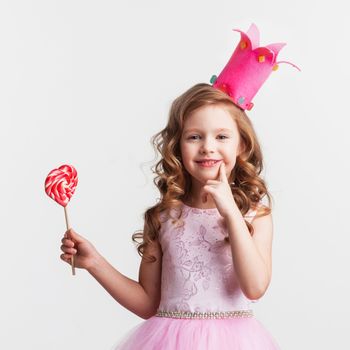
(60, 185)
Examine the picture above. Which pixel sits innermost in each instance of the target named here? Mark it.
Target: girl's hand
(85, 254)
(221, 192)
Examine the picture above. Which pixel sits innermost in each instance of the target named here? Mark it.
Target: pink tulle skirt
(166, 333)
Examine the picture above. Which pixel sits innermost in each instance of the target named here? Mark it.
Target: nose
(207, 146)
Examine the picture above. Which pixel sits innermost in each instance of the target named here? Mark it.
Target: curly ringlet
(174, 182)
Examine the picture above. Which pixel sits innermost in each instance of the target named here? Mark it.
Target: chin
(203, 179)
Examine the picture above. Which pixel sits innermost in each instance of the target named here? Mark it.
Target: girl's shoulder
(260, 210)
(255, 210)
(170, 213)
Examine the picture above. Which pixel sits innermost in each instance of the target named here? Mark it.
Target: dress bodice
(197, 267)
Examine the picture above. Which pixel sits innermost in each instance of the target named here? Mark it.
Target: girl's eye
(193, 137)
(223, 137)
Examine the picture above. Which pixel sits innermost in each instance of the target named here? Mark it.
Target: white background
(88, 83)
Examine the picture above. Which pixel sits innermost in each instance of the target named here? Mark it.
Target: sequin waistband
(205, 315)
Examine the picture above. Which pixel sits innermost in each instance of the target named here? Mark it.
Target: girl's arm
(252, 254)
(143, 297)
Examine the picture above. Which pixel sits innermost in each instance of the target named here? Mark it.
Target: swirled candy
(60, 184)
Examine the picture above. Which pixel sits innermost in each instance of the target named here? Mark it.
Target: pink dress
(202, 306)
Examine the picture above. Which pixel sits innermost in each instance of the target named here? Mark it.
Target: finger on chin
(222, 171)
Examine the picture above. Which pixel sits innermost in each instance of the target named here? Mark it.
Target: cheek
(230, 153)
(187, 155)
(186, 152)
(186, 160)
(230, 159)
(230, 165)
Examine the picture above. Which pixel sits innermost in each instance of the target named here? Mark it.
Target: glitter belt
(205, 315)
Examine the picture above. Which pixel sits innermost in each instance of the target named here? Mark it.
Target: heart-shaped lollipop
(60, 185)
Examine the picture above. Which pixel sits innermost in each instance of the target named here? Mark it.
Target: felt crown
(248, 68)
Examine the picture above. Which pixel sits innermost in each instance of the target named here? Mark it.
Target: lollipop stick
(68, 227)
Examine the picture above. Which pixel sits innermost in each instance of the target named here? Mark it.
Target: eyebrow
(216, 130)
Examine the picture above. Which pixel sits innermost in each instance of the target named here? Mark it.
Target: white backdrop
(88, 83)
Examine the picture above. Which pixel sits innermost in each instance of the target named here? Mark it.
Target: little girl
(207, 244)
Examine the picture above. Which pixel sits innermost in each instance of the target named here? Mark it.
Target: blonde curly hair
(174, 182)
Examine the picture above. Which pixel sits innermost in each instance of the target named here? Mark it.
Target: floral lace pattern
(197, 267)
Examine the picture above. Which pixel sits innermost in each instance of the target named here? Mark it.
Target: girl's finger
(67, 242)
(66, 257)
(68, 250)
(207, 190)
(222, 173)
(212, 182)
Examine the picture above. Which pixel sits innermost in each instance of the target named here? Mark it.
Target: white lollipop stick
(68, 227)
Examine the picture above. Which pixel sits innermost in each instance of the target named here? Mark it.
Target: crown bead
(261, 58)
(213, 79)
(223, 88)
(241, 100)
(250, 106)
(275, 67)
(243, 45)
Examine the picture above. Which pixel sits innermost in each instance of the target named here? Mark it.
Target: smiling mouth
(208, 163)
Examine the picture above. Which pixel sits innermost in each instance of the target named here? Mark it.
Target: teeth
(211, 162)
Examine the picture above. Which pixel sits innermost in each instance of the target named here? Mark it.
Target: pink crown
(248, 68)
